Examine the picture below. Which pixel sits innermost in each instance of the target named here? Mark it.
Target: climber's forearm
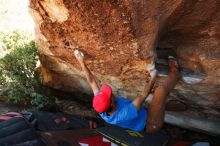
(90, 78)
(87, 72)
(147, 89)
(137, 102)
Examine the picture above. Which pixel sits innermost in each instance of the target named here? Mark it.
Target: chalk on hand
(151, 69)
(78, 53)
(81, 54)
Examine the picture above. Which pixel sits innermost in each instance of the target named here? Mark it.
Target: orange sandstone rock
(119, 39)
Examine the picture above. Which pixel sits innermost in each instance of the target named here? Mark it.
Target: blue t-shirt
(126, 115)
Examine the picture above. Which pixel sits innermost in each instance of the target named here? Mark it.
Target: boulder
(119, 39)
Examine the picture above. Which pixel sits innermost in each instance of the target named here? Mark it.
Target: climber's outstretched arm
(90, 78)
(137, 102)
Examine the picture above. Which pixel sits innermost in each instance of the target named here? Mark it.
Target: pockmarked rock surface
(119, 39)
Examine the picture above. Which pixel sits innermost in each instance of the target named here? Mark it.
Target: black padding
(128, 137)
(10, 122)
(13, 129)
(35, 142)
(18, 131)
(63, 143)
(46, 121)
(23, 136)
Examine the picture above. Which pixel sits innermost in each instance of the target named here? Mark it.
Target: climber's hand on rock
(153, 76)
(79, 56)
(151, 69)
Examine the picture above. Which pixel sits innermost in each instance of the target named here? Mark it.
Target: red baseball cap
(101, 101)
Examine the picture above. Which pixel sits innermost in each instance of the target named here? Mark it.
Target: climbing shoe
(173, 65)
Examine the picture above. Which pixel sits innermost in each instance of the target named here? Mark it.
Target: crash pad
(16, 131)
(128, 137)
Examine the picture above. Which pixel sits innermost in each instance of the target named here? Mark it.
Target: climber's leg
(156, 109)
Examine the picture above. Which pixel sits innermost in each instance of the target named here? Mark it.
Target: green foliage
(9, 41)
(14, 39)
(19, 75)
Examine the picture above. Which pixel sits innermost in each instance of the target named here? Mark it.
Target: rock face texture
(119, 39)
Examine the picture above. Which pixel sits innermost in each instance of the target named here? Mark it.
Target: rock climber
(128, 113)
